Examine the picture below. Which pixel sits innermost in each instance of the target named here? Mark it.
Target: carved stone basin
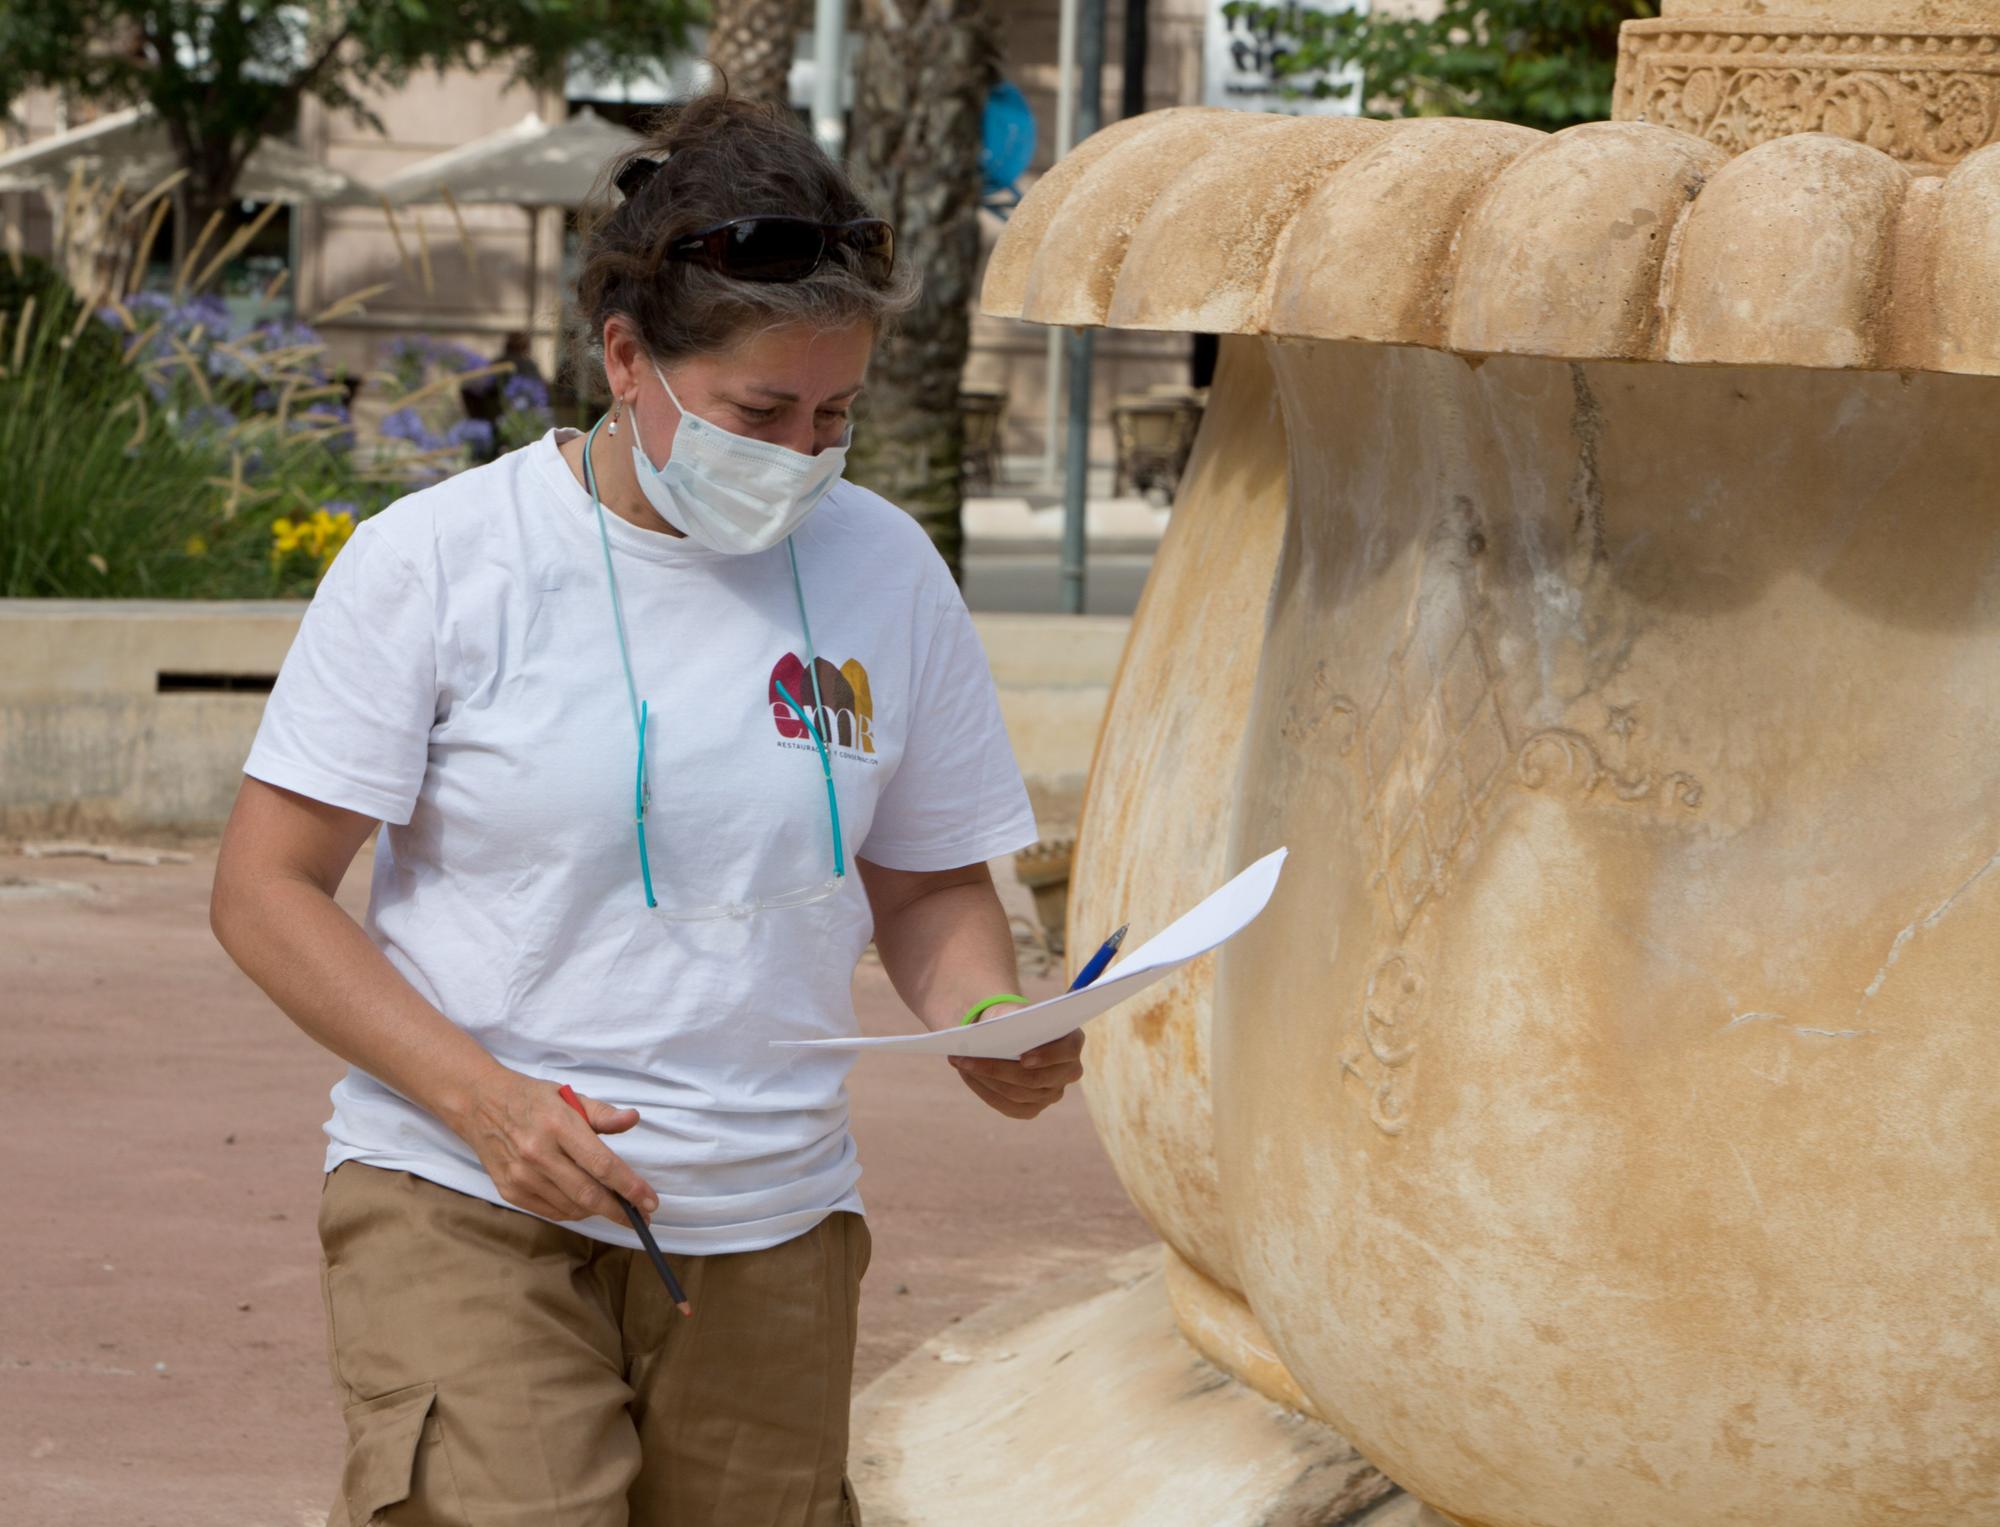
(1590, 568)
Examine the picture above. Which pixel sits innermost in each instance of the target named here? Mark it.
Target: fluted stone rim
(1608, 241)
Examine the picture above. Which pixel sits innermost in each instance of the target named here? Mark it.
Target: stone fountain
(1590, 568)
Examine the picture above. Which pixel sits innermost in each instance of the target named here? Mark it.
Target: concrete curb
(93, 739)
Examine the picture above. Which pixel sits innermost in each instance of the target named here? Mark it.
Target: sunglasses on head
(787, 248)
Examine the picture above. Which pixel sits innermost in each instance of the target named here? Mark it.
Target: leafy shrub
(152, 452)
(104, 493)
(156, 451)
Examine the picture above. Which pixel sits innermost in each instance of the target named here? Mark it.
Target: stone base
(1403, 1511)
(1079, 1405)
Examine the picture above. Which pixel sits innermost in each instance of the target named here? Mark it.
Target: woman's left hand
(1023, 1088)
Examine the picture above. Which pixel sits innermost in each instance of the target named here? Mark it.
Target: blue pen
(1098, 961)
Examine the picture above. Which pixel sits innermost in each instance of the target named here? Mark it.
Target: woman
(664, 721)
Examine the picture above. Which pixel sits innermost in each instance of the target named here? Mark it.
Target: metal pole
(1076, 480)
(829, 45)
(1065, 120)
(1134, 81)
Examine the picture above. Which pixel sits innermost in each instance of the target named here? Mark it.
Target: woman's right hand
(540, 1154)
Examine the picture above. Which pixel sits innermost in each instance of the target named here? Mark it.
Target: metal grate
(214, 683)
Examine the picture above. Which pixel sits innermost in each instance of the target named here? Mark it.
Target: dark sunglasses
(787, 248)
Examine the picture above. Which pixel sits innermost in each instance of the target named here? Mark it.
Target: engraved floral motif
(1560, 759)
(1928, 100)
(1391, 1009)
(1315, 710)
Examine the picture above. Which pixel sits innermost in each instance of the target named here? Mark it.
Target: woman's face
(793, 386)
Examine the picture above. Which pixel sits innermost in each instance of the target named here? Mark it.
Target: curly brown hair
(720, 156)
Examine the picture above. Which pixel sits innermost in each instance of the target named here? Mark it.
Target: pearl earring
(616, 404)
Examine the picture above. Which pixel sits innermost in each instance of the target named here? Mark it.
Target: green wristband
(972, 1013)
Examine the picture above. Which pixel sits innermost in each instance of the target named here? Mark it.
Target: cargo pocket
(396, 1457)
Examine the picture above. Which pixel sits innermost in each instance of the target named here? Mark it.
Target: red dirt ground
(162, 1358)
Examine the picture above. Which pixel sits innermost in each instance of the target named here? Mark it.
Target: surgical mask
(728, 492)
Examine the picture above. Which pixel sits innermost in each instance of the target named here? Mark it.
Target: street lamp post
(1076, 477)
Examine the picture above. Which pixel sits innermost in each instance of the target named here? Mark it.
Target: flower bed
(158, 450)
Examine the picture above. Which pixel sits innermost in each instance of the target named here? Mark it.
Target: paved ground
(161, 1345)
(1013, 550)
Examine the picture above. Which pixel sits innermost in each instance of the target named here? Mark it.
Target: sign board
(1239, 68)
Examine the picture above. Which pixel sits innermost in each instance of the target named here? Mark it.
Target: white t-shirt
(457, 676)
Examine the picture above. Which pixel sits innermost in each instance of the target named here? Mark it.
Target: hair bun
(632, 179)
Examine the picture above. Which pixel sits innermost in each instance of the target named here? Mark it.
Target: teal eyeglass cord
(641, 793)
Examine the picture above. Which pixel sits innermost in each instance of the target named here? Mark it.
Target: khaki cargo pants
(496, 1370)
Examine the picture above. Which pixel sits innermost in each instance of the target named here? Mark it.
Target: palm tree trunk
(751, 43)
(921, 82)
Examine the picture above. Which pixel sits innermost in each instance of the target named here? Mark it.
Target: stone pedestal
(1591, 570)
(1079, 1405)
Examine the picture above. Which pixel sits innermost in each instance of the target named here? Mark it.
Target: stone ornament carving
(1925, 98)
(1434, 745)
(1559, 757)
(1391, 1010)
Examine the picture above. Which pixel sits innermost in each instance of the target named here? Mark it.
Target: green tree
(1542, 63)
(222, 74)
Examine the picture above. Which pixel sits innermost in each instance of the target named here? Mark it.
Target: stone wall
(135, 716)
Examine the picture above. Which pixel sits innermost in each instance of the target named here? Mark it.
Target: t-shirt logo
(846, 718)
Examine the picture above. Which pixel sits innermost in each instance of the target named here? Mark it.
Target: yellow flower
(320, 536)
(196, 546)
(333, 532)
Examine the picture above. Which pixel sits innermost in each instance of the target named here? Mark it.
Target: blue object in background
(1007, 145)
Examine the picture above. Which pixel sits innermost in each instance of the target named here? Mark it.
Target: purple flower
(322, 412)
(282, 333)
(456, 357)
(207, 418)
(210, 311)
(275, 334)
(475, 434)
(525, 393)
(208, 314)
(405, 424)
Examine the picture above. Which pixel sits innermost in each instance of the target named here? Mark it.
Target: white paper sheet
(1011, 1034)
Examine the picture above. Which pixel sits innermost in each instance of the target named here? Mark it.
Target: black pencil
(645, 1231)
(653, 1251)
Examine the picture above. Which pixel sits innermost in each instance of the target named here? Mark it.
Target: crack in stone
(1931, 921)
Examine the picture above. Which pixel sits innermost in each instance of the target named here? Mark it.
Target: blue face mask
(728, 492)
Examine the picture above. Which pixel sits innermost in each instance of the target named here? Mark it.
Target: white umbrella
(531, 164)
(133, 148)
